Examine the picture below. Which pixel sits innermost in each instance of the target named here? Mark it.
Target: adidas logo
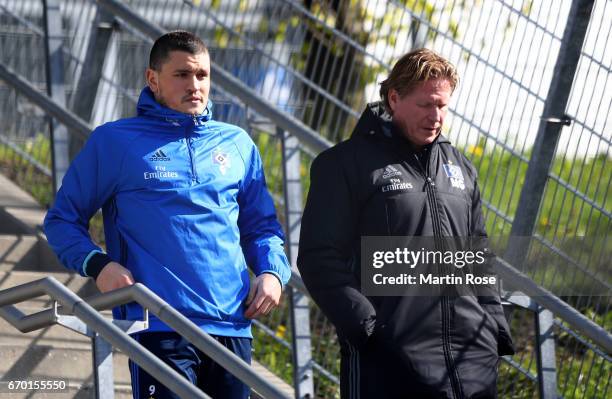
(391, 171)
(391, 168)
(159, 156)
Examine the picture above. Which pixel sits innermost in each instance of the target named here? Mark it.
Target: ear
(152, 80)
(393, 97)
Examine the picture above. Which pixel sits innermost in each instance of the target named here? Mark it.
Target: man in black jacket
(398, 176)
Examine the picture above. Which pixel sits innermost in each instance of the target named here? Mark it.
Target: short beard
(160, 99)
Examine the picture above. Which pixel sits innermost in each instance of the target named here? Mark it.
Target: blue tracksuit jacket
(185, 209)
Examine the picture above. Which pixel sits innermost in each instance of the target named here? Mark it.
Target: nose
(436, 114)
(194, 84)
(433, 114)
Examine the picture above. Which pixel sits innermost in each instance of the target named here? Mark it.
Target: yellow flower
(475, 150)
(280, 331)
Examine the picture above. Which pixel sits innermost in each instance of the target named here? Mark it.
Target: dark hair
(178, 40)
(416, 67)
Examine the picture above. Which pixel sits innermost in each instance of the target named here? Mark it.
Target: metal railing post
(102, 350)
(102, 356)
(55, 88)
(89, 79)
(540, 164)
(299, 302)
(545, 353)
(549, 130)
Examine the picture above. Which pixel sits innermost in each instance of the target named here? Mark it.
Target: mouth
(193, 99)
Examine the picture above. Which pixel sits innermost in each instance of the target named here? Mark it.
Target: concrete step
(272, 378)
(56, 335)
(74, 364)
(74, 391)
(22, 216)
(18, 250)
(55, 352)
(84, 287)
(72, 280)
(19, 212)
(27, 252)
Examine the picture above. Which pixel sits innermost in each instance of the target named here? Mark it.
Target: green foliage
(420, 7)
(581, 373)
(18, 169)
(527, 7)
(582, 376)
(496, 170)
(453, 28)
(501, 177)
(222, 37)
(513, 384)
(267, 351)
(272, 158)
(590, 176)
(342, 70)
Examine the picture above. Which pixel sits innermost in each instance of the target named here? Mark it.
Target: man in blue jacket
(185, 209)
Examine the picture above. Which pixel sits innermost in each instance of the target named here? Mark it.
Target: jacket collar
(148, 106)
(376, 122)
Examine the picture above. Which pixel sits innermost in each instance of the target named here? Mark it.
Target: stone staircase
(54, 352)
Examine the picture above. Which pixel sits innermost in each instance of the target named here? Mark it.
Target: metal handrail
(103, 327)
(73, 304)
(51, 107)
(556, 305)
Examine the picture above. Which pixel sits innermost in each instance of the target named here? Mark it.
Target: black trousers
(375, 372)
(191, 363)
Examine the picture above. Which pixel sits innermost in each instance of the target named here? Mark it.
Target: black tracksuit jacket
(439, 346)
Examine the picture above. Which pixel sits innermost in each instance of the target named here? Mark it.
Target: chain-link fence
(322, 61)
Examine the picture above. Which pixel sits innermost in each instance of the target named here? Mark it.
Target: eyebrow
(189, 70)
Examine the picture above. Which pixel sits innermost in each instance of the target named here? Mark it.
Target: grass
(563, 212)
(26, 176)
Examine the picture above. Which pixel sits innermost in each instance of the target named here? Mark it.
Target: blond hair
(415, 67)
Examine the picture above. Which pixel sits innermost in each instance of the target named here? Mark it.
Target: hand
(264, 296)
(114, 276)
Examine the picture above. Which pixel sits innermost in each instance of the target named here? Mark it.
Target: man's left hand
(264, 296)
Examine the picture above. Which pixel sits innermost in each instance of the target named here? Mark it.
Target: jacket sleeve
(488, 297)
(261, 236)
(325, 259)
(88, 183)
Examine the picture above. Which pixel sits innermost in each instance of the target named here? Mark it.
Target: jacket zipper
(446, 311)
(122, 254)
(194, 174)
